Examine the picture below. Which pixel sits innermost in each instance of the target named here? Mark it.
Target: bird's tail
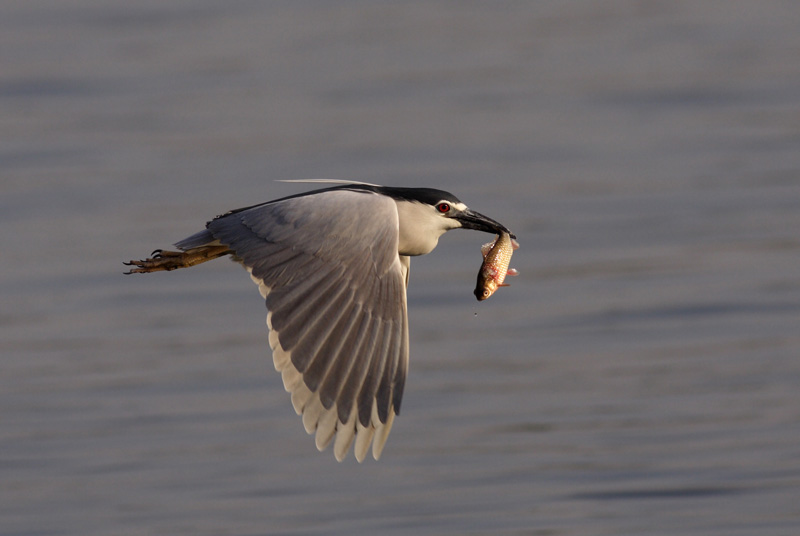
(196, 249)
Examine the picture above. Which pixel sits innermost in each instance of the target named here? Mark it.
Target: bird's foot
(172, 260)
(158, 260)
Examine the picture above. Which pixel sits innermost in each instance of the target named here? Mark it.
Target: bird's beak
(470, 219)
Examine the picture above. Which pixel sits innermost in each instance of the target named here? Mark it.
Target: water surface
(639, 377)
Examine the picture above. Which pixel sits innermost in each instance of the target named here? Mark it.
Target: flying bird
(332, 265)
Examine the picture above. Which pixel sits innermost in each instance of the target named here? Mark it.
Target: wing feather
(341, 365)
(379, 441)
(383, 394)
(364, 435)
(344, 436)
(329, 351)
(306, 332)
(366, 396)
(326, 429)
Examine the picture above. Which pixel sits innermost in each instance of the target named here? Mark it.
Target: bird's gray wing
(335, 287)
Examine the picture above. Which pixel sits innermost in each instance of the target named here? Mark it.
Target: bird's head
(426, 214)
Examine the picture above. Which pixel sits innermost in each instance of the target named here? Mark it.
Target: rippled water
(640, 377)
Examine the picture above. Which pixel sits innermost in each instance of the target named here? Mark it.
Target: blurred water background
(641, 375)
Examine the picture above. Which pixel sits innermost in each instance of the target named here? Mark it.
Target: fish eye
(443, 208)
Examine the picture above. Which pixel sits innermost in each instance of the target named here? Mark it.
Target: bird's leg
(172, 260)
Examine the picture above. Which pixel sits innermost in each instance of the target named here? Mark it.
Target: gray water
(640, 377)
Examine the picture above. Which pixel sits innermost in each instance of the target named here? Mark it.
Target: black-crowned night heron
(333, 266)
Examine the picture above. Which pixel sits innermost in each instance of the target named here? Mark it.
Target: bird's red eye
(443, 207)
